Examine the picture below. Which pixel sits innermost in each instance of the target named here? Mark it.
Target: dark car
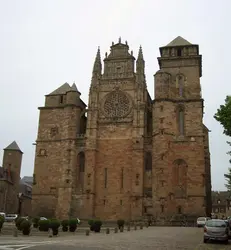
(216, 230)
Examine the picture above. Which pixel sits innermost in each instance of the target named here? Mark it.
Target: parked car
(43, 218)
(216, 230)
(201, 221)
(11, 217)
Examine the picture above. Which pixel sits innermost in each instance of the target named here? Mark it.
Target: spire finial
(140, 54)
(120, 39)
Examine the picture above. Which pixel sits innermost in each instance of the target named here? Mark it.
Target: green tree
(228, 179)
(223, 116)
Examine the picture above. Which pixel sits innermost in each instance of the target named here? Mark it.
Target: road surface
(159, 238)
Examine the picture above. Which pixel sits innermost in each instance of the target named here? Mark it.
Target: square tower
(179, 136)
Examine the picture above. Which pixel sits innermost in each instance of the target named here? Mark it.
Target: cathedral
(125, 155)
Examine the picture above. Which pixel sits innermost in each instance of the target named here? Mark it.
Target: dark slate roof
(25, 189)
(27, 179)
(13, 146)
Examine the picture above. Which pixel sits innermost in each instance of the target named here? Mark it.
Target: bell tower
(178, 141)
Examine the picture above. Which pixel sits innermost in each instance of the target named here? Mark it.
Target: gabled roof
(178, 41)
(13, 146)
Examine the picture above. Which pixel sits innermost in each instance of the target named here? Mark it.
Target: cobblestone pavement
(159, 238)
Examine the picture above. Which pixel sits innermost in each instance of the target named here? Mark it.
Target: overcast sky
(44, 43)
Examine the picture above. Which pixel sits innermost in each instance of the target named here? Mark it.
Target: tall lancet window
(181, 120)
(181, 85)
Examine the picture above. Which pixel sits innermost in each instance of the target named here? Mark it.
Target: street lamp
(19, 203)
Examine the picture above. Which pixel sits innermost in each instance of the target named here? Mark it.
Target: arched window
(148, 161)
(81, 158)
(180, 84)
(81, 169)
(179, 177)
(180, 120)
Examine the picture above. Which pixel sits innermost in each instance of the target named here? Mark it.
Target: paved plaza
(149, 238)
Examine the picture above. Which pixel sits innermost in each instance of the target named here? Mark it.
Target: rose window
(116, 105)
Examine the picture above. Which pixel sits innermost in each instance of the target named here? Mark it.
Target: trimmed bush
(65, 224)
(2, 220)
(18, 223)
(72, 225)
(120, 224)
(25, 227)
(54, 225)
(35, 222)
(91, 224)
(44, 225)
(97, 226)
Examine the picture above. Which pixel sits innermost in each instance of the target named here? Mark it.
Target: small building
(221, 203)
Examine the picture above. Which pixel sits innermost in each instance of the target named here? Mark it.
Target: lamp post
(19, 203)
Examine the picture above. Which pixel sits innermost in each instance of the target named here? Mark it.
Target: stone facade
(15, 193)
(131, 156)
(221, 204)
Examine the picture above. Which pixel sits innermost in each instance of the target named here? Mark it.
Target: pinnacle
(97, 64)
(140, 54)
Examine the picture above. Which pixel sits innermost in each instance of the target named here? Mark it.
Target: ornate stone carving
(116, 105)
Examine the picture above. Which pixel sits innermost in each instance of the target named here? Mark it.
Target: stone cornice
(59, 107)
(177, 101)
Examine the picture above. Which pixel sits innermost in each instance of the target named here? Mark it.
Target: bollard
(121, 229)
(50, 233)
(116, 230)
(87, 232)
(15, 232)
(128, 228)
(135, 227)
(107, 231)
(141, 226)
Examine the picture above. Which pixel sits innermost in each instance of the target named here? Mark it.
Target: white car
(201, 221)
(11, 217)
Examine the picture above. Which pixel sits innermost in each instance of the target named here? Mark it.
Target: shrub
(25, 227)
(44, 225)
(54, 225)
(120, 223)
(35, 222)
(18, 222)
(91, 223)
(97, 225)
(72, 225)
(65, 224)
(2, 220)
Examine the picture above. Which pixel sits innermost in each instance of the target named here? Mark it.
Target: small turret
(73, 95)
